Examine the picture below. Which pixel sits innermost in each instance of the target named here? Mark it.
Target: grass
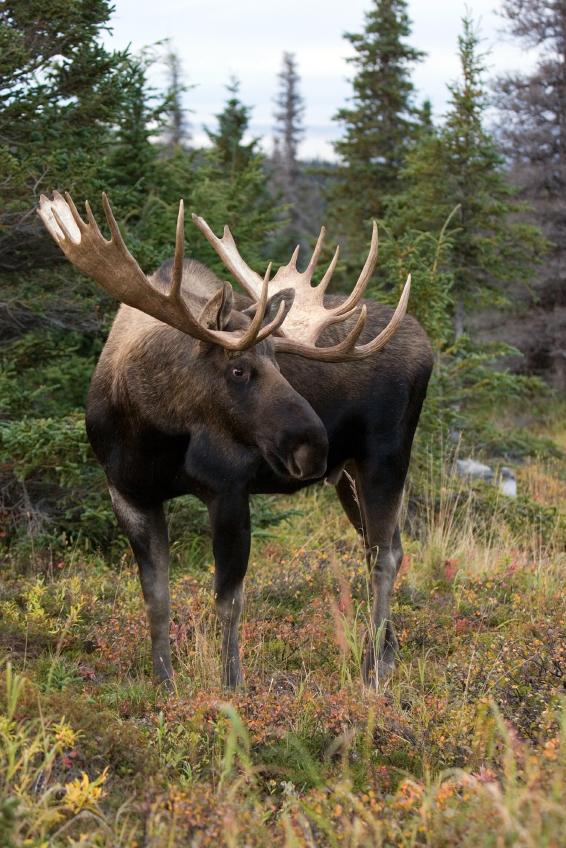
(464, 746)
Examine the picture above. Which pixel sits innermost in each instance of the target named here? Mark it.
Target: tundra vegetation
(466, 743)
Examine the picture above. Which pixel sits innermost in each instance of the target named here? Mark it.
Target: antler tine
(111, 265)
(365, 275)
(68, 228)
(250, 336)
(391, 328)
(74, 212)
(279, 317)
(315, 254)
(177, 274)
(115, 233)
(273, 325)
(62, 225)
(349, 341)
(93, 222)
(346, 351)
(228, 253)
(340, 352)
(292, 264)
(255, 332)
(323, 285)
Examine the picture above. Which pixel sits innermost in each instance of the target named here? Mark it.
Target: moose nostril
(302, 461)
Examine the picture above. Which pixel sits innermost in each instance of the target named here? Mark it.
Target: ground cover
(465, 745)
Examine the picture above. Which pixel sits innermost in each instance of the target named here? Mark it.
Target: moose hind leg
(230, 524)
(391, 647)
(380, 496)
(380, 511)
(346, 489)
(146, 529)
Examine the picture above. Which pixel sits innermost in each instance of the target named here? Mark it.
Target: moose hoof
(376, 672)
(234, 683)
(233, 678)
(164, 684)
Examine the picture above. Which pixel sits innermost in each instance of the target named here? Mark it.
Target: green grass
(464, 746)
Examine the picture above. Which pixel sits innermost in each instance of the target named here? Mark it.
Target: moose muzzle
(299, 448)
(308, 460)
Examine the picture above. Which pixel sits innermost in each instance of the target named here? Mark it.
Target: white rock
(472, 468)
(508, 483)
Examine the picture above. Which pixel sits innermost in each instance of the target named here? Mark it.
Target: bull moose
(200, 390)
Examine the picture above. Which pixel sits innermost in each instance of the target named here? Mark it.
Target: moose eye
(238, 372)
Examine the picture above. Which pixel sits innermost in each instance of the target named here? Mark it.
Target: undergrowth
(465, 745)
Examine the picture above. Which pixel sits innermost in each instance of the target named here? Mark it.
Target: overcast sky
(216, 39)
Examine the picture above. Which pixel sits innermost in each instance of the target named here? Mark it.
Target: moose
(205, 391)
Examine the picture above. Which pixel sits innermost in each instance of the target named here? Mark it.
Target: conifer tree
(132, 154)
(379, 122)
(460, 165)
(425, 116)
(226, 183)
(533, 134)
(233, 124)
(69, 109)
(61, 94)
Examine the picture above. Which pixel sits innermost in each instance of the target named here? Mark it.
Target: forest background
(474, 212)
(473, 205)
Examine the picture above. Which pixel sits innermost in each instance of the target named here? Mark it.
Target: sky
(216, 39)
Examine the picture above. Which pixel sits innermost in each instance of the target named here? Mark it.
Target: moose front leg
(230, 524)
(146, 530)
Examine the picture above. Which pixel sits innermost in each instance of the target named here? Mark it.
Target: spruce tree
(61, 94)
(67, 106)
(533, 134)
(233, 124)
(459, 165)
(132, 154)
(378, 124)
(226, 183)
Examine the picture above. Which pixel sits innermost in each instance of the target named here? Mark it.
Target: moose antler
(308, 316)
(110, 264)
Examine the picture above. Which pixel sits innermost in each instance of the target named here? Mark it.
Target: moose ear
(216, 313)
(288, 295)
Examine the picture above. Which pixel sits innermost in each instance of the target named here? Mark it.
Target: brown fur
(168, 415)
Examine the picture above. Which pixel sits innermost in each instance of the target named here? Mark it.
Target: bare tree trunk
(176, 132)
(459, 316)
(288, 133)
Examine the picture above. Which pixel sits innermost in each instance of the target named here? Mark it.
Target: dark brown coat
(168, 415)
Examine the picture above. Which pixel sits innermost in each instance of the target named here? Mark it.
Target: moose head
(241, 390)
